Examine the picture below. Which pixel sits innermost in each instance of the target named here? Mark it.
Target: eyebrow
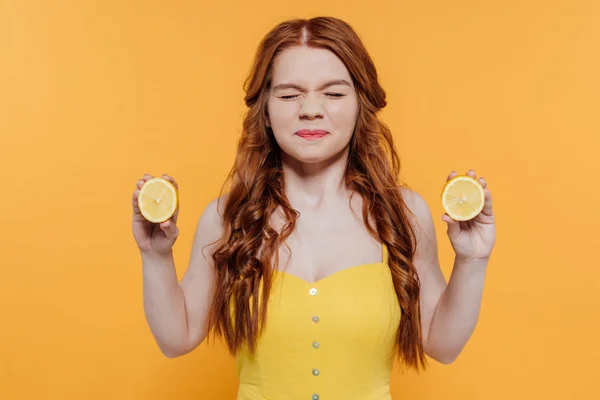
(300, 88)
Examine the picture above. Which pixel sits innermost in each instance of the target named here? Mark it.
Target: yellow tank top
(327, 340)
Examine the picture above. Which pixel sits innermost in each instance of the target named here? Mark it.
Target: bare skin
(330, 235)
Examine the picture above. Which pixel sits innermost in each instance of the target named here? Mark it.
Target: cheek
(342, 114)
(282, 114)
(282, 117)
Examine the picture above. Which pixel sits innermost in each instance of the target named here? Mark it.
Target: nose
(311, 109)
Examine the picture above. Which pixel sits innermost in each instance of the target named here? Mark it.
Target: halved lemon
(158, 200)
(463, 198)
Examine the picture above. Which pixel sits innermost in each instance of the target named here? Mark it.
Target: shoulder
(212, 215)
(416, 204)
(209, 227)
(424, 229)
(216, 207)
(421, 221)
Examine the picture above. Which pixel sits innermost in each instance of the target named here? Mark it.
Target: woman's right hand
(153, 237)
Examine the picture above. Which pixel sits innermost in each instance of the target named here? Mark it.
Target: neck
(316, 184)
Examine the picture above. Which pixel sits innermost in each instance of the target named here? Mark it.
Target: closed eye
(331, 95)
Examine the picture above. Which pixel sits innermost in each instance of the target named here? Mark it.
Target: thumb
(170, 229)
(453, 227)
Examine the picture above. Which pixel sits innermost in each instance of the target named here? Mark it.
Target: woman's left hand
(474, 239)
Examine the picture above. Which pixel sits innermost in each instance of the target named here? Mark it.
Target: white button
(315, 397)
(315, 319)
(316, 372)
(316, 345)
(312, 291)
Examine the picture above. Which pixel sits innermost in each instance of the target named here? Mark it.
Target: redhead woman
(318, 267)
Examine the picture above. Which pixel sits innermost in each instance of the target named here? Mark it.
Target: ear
(267, 121)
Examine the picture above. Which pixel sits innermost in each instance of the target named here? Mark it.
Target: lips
(311, 133)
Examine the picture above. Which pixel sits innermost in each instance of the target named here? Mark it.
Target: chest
(327, 242)
(333, 337)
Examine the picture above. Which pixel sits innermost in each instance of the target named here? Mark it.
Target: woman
(318, 266)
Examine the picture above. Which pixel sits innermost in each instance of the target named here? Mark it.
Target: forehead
(308, 65)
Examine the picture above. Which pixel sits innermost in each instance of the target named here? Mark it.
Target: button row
(316, 345)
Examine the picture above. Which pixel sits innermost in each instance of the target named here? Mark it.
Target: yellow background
(93, 94)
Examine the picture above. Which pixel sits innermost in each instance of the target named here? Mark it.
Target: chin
(307, 158)
(313, 160)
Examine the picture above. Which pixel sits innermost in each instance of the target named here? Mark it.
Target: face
(312, 106)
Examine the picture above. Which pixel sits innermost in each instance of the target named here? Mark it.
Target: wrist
(153, 255)
(472, 261)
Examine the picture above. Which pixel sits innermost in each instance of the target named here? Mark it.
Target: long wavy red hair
(243, 257)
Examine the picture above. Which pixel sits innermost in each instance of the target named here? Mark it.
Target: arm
(457, 310)
(177, 312)
(449, 310)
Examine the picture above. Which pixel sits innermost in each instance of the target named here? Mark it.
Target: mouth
(311, 134)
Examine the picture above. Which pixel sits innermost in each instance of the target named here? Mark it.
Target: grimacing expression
(312, 105)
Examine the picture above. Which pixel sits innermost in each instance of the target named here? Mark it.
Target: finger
(471, 173)
(487, 205)
(452, 175)
(174, 217)
(134, 201)
(482, 182)
(453, 227)
(143, 180)
(170, 179)
(170, 229)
